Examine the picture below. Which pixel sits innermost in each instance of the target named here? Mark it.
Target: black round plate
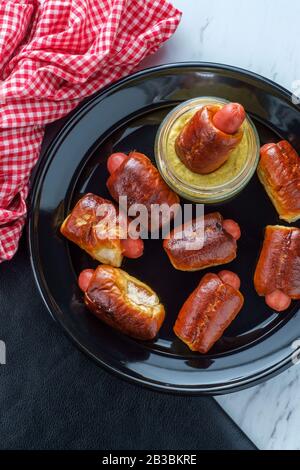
(123, 117)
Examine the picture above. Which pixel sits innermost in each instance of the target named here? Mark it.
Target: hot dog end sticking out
(232, 228)
(229, 118)
(84, 278)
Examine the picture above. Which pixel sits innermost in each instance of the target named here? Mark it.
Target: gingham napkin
(54, 53)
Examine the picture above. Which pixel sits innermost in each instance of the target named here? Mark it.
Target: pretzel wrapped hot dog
(205, 142)
(95, 225)
(122, 301)
(279, 172)
(134, 176)
(277, 274)
(208, 311)
(218, 243)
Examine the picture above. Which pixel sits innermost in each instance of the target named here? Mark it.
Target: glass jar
(218, 186)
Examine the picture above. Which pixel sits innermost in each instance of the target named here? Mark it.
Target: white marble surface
(258, 35)
(269, 413)
(261, 36)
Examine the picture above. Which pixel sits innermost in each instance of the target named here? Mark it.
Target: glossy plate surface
(124, 117)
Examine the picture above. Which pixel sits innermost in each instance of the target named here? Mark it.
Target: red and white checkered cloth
(54, 53)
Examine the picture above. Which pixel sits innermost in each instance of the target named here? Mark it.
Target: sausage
(207, 312)
(124, 303)
(233, 228)
(201, 146)
(139, 180)
(132, 248)
(278, 300)
(279, 173)
(228, 277)
(277, 274)
(84, 278)
(88, 227)
(229, 118)
(216, 245)
(115, 160)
